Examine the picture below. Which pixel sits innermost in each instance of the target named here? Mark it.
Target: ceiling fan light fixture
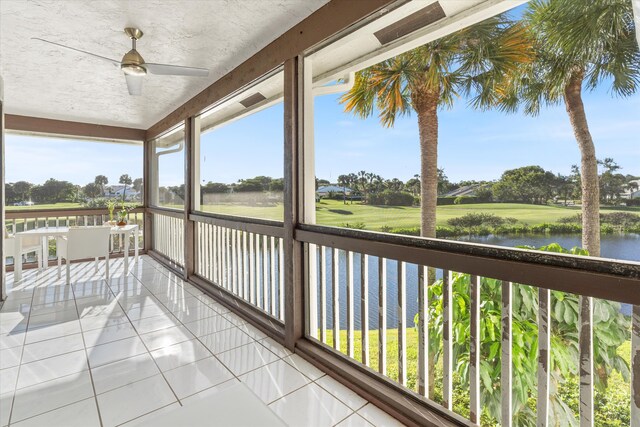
(133, 69)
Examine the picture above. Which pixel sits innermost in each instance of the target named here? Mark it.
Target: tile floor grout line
(50, 410)
(194, 335)
(86, 353)
(145, 414)
(207, 302)
(255, 369)
(143, 343)
(24, 340)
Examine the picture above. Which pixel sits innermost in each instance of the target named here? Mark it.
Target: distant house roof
(466, 190)
(119, 189)
(325, 189)
(632, 193)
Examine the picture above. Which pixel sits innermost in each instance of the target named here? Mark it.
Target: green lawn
(45, 206)
(336, 213)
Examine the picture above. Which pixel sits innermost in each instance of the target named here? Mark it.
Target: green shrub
(392, 198)
(472, 220)
(623, 219)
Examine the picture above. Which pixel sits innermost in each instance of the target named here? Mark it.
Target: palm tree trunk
(588, 164)
(425, 102)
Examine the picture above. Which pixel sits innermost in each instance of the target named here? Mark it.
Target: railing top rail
(166, 211)
(607, 279)
(252, 225)
(43, 213)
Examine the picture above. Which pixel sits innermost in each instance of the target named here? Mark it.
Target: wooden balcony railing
(244, 257)
(357, 277)
(168, 234)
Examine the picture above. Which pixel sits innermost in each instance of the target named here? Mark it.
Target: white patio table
(45, 232)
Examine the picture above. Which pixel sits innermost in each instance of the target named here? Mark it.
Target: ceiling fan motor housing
(132, 64)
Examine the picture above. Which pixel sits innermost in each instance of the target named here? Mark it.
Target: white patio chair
(29, 244)
(81, 243)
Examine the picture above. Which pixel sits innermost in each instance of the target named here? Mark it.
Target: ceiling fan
(134, 66)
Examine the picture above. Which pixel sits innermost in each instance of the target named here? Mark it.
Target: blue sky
(472, 145)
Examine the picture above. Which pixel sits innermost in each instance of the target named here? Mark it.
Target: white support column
(308, 196)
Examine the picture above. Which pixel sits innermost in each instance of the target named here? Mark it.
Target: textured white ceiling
(42, 80)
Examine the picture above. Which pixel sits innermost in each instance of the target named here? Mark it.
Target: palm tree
(578, 45)
(126, 180)
(101, 181)
(472, 61)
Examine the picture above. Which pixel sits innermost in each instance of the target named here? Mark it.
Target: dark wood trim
(594, 265)
(243, 224)
(175, 213)
(270, 326)
(44, 213)
(618, 283)
(74, 129)
(409, 408)
(293, 253)
(189, 204)
(332, 18)
(203, 216)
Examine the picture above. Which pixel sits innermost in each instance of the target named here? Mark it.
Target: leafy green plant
(610, 330)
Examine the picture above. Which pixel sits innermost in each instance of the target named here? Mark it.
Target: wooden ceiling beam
(72, 129)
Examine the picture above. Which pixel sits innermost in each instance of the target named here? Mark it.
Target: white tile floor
(149, 349)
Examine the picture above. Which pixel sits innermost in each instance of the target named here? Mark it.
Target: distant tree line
(527, 184)
(60, 191)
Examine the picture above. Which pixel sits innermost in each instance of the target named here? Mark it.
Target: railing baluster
(506, 360)
(544, 347)
(237, 256)
(252, 271)
(212, 253)
(229, 254)
(246, 265)
(322, 250)
(335, 283)
(203, 256)
(447, 339)
(350, 307)
(323, 293)
(265, 275)
(234, 264)
(382, 315)
(474, 349)
(259, 283)
(423, 333)
(586, 360)
(635, 367)
(281, 276)
(364, 306)
(240, 271)
(218, 236)
(272, 259)
(225, 254)
(402, 315)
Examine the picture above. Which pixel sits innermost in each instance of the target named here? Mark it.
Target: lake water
(623, 247)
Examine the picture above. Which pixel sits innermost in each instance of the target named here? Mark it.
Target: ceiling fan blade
(112, 61)
(134, 84)
(175, 70)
